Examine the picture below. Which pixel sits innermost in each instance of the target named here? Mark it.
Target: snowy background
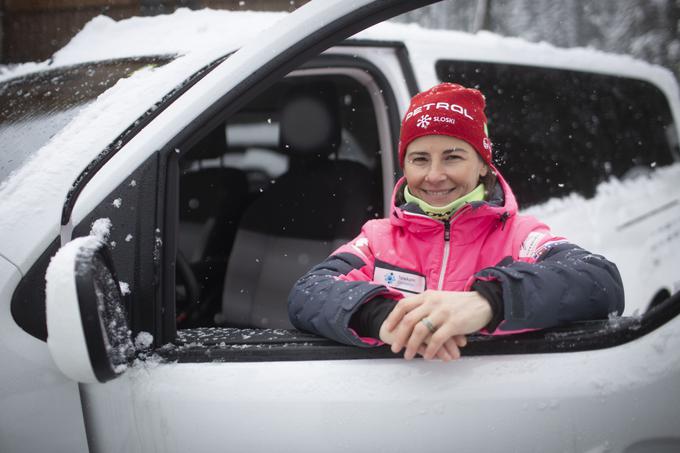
(646, 29)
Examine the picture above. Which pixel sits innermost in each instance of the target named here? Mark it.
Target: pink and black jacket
(544, 280)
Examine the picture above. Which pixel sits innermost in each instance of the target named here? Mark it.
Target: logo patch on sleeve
(400, 279)
(530, 244)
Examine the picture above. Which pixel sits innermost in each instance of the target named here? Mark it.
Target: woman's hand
(449, 351)
(453, 314)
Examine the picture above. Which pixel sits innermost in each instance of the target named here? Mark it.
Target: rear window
(557, 131)
(36, 106)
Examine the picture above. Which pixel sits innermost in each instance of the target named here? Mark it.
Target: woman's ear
(484, 171)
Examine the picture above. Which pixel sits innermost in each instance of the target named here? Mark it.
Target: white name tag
(400, 280)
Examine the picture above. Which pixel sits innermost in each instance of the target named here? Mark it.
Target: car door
(595, 387)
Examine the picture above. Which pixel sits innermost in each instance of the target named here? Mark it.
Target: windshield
(35, 107)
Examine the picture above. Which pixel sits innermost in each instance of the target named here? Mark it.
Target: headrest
(309, 123)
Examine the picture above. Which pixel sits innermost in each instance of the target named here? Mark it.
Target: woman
(454, 257)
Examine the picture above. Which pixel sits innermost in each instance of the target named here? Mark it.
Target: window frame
(227, 344)
(333, 64)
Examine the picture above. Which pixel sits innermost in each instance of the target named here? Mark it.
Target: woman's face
(440, 169)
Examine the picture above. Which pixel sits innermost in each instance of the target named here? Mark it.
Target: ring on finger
(428, 324)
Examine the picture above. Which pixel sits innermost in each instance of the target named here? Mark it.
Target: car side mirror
(88, 333)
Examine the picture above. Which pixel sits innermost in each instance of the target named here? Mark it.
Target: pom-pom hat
(447, 109)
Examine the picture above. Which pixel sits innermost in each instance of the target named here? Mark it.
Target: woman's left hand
(452, 313)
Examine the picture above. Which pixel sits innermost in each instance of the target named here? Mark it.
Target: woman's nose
(436, 172)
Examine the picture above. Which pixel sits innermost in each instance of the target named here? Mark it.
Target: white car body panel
(349, 405)
(39, 407)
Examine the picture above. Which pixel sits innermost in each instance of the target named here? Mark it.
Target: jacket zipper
(445, 258)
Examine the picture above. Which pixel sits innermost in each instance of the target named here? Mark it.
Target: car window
(37, 106)
(557, 131)
(271, 192)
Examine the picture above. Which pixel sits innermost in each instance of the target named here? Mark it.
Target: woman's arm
(566, 283)
(324, 300)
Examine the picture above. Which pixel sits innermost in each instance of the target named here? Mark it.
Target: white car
(152, 159)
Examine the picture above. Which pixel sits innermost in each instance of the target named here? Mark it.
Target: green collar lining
(445, 212)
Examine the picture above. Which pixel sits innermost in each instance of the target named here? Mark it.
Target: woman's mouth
(437, 193)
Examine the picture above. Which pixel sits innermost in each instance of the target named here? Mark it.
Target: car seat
(320, 203)
(212, 199)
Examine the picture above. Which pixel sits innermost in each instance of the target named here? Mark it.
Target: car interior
(269, 194)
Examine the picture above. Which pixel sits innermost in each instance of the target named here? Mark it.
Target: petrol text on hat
(439, 105)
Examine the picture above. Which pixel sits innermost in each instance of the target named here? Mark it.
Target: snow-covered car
(153, 218)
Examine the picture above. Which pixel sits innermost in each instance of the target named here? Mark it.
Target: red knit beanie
(447, 109)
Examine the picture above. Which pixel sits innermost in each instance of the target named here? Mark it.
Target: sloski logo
(424, 121)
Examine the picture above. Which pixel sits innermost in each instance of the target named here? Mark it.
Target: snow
(202, 31)
(101, 228)
(143, 340)
(124, 288)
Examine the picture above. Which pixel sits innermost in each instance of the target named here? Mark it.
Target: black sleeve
(368, 319)
(322, 304)
(493, 293)
(565, 284)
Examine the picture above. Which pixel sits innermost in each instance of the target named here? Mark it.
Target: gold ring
(428, 324)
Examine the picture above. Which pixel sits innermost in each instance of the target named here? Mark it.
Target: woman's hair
(489, 181)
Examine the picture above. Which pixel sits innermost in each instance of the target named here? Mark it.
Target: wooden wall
(32, 30)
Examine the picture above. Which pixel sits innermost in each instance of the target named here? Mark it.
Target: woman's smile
(440, 169)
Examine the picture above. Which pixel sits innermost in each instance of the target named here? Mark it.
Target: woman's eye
(452, 157)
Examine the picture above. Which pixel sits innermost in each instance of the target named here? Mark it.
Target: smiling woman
(497, 271)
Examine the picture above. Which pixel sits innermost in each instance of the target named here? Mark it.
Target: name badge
(399, 279)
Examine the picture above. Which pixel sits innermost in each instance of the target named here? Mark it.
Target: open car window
(269, 193)
(253, 215)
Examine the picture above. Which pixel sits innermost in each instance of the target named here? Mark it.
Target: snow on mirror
(88, 333)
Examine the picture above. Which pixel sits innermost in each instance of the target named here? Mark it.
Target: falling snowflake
(424, 121)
